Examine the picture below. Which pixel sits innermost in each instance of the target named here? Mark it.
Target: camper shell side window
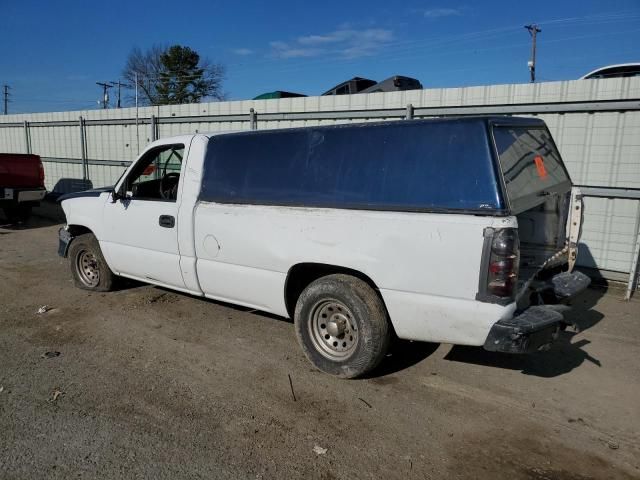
(425, 165)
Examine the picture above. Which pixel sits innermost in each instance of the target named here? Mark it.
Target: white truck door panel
(141, 228)
(136, 243)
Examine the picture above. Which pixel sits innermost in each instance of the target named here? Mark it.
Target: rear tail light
(501, 256)
(40, 174)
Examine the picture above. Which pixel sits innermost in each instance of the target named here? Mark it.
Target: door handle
(167, 221)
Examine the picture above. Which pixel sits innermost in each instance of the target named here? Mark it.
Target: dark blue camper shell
(448, 165)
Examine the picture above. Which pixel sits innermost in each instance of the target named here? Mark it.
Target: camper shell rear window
(425, 165)
(531, 165)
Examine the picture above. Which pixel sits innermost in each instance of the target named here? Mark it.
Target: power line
(394, 52)
(169, 75)
(620, 16)
(393, 48)
(434, 46)
(48, 100)
(607, 17)
(429, 53)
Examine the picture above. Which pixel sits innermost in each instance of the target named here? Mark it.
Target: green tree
(173, 75)
(184, 79)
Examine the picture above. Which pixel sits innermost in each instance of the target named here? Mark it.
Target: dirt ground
(147, 383)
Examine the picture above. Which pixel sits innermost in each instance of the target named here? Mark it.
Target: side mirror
(115, 196)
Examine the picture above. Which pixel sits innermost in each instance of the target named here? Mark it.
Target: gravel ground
(147, 383)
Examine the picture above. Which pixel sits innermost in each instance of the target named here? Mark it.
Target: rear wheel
(342, 325)
(88, 267)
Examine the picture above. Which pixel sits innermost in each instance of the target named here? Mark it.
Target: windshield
(530, 164)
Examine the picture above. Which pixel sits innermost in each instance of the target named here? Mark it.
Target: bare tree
(173, 75)
(145, 68)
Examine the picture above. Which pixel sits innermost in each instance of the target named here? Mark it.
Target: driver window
(156, 175)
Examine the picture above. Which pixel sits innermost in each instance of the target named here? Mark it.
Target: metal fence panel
(63, 177)
(13, 140)
(609, 233)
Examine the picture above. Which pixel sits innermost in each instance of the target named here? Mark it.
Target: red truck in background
(21, 184)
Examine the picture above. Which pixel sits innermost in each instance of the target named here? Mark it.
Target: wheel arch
(301, 275)
(76, 230)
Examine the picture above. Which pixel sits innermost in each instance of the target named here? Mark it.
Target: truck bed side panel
(420, 262)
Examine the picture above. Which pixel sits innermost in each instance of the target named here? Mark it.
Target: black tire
(24, 213)
(355, 335)
(18, 213)
(88, 267)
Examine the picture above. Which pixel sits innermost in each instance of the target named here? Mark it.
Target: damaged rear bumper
(532, 330)
(538, 326)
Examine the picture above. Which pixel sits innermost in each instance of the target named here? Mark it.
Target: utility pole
(105, 94)
(533, 31)
(118, 84)
(6, 99)
(137, 131)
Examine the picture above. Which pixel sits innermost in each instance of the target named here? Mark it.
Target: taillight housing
(40, 174)
(499, 267)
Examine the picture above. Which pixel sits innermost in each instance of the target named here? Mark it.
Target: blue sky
(52, 53)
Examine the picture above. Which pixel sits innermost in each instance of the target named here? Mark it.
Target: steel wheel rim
(87, 268)
(333, 329)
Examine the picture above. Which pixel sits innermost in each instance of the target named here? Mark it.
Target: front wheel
(342, 325)
(88, 267)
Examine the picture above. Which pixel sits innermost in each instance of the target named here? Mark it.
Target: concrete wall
(601, 147)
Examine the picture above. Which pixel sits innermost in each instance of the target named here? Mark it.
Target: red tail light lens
(502, 287)
(501, 266)
(41, 174)
(504, 258)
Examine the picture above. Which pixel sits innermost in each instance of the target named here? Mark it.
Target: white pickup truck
(458, 230)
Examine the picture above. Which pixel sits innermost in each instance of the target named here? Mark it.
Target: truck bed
(18, 170)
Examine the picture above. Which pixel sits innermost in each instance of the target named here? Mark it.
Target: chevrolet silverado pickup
(456, 230)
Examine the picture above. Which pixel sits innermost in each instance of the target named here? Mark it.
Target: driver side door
(141, 230)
